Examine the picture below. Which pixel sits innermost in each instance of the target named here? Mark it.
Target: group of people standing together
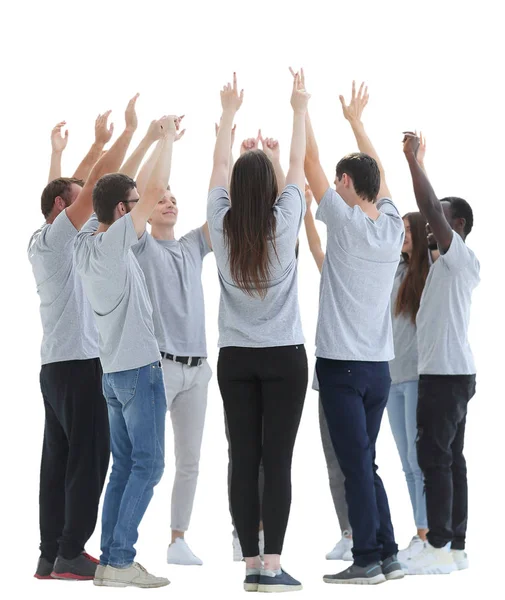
(124, 342)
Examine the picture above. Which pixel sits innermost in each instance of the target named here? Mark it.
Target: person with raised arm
(354, 342)
(447, 372)
(343, 548)
(262, 365)
(133, 377)
(75, 453)
(173, 269)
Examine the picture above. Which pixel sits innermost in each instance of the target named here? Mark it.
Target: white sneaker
(413, 549)
(179, 553)
(461, 559)
(432, 561)
(98, 580)
(237, 550)
(135, 575)
(342, 550)
(261, 543)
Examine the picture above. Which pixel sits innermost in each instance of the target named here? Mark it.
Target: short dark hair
(108, 192)
(460, 209)
(364, 172)
(57, 187)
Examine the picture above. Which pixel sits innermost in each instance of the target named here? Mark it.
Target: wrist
(301, 112)
(131, 129)
(98, 146)
(56, 152)
(357, 125)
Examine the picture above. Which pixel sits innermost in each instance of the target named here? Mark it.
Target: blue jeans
(354, 395)
(137, 410)
(402, 413)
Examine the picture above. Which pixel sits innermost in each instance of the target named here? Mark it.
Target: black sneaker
(392, 568)
(44, 569)
(81, 568)
(370, 575)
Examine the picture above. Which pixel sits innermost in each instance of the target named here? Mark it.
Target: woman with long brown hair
(262, 367)
(402, 402)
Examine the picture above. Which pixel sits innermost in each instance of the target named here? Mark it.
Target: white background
(435, 66)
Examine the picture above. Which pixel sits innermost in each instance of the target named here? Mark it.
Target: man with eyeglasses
(133, 377)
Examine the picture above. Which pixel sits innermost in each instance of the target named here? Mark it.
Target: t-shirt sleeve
(218, 204)
(332, 210)
(387, 206)
(290, 208)
(458, 256)
(60, 235)
(141, 244)
(119, 238)
(196, 243)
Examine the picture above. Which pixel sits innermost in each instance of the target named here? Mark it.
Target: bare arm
(80, 210)
(421, 153)
(352, 113)
(231, 101)
(311, 231)
(158, 179)
(299, 102)
(427, 201)
(230, 169)
(318, 181)
(102, 137)
(58, 144)
(132, 164)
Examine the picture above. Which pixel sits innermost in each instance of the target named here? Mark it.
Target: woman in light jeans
(402, 403)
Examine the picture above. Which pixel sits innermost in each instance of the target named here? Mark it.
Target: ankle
(253, 562)
(272, 562)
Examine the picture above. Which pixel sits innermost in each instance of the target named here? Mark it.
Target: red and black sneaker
(44, 569)
(91, 558)
(80, 568)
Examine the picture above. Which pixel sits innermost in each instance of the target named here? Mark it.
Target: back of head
(364, 172)
(411, 288)
(108, 192)
(460, 209)
(249, 225)
(57, 187)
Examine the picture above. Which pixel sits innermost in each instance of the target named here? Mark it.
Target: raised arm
(353, 112)
(311, 231)
(429, 205)
(299, 103)
(158, 180)
(80, 210)
(103, 135)
(231, 101)
(271, 148)
(58, 144)
(230, 169)
(421, 153)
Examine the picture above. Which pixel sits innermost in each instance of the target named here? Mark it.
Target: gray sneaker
(369, 575)
(392, 568)
(100, 570)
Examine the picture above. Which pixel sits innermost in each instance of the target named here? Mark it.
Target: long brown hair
(411, 288)
(249, 225)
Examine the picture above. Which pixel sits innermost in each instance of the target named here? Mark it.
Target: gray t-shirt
(249, 321)
(362, 255)
(444, 315)
(173, 272)
(116, 288)
(403, 367)
(68, 328)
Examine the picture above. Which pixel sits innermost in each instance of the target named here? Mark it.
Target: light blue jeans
(402, 413)
(137, 409)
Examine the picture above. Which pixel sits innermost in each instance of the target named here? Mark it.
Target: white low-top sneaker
(432, 561)
(179, 553)
(342, 549)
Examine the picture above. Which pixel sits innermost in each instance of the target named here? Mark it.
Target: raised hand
(170, 124)
(131, 115)
(155, 130)
(353, 110)
(231, 100)
(270, 147)
(59, 142)
(102, 132)
(299, 96)
(301, 74)
(410, 144)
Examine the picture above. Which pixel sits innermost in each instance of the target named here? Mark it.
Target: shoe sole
(184, 564)
(251, 587)
(98, 582)
(72, 577)
(359, 580)
(440, 570)
(278, 588)
(48, 577)
(394, 575)
(462, 565)
(121, 584)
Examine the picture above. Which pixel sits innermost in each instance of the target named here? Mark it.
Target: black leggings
(263, 392)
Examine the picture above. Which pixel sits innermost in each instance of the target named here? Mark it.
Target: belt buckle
(190, 361)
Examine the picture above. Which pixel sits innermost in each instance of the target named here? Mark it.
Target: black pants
(441, 419)
(75, 455)
(263, 392)
(354, 395)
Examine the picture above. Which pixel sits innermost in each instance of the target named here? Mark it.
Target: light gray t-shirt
(173, 272)
(249, 321)
(68, 328)
(362, 255)
(444, 315)
(403, 367)
(116, 288)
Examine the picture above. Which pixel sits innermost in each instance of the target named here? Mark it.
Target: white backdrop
(433, 66)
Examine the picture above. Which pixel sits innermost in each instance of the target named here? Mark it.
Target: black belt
(191, 361)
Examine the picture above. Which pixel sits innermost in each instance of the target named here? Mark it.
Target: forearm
(131, 166)
(364, 143)
(55, 166)
(298, 140)
(147, 168)
(312, 151)
(223, 140)
(89, 161)
(160, 175)
(279, 175)
(110, 162)
(426, 198)
(230, 167)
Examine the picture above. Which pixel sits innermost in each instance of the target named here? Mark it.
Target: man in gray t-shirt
(133, 378)
(446, 371)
